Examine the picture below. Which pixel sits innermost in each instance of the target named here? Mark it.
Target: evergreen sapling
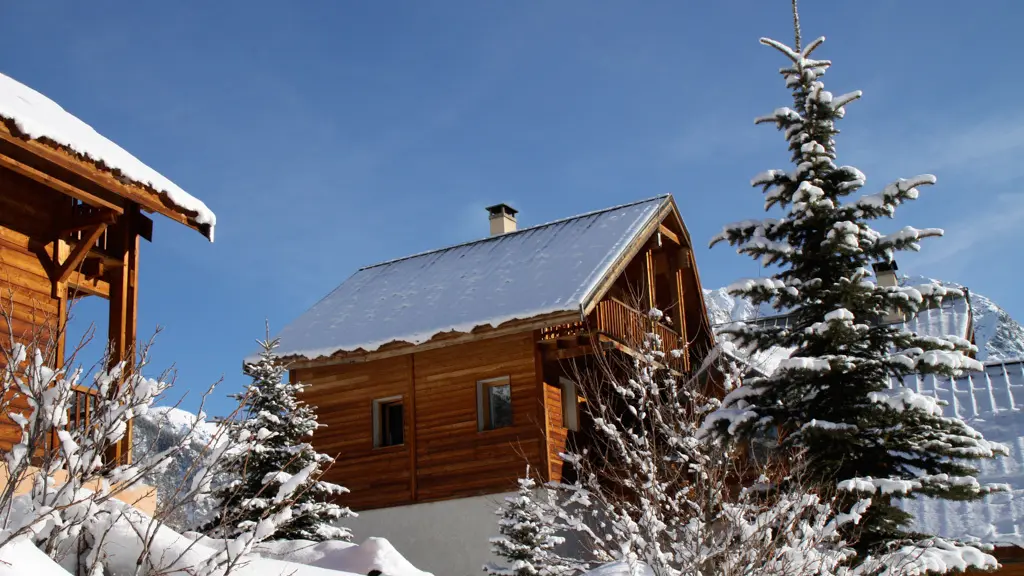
(280, 460)
(528, 537)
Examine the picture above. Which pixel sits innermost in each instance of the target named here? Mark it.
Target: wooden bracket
(669, 235)
(79, 253)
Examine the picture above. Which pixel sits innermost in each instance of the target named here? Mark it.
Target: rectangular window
(388, 422)
(494, 403)
(570, 404)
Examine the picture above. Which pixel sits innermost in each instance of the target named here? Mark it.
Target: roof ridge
(531, 228)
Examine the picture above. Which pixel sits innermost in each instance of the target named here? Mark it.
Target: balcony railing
(83, 404)
(80, 417)
(631, 326)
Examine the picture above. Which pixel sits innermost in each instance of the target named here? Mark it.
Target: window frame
(483, 402)
(379, 404)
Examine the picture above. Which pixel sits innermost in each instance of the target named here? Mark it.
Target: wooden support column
(649, 278)
(124, 302)
(544, 426)
(680, 299)
(60, 252)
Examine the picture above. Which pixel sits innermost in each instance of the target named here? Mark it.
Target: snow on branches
(834, 398)
(529, 526)
(278, 466)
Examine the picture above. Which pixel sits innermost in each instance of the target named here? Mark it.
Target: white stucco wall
(449, 538)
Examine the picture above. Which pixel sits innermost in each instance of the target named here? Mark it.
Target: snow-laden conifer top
(39, 117)
(541, 270)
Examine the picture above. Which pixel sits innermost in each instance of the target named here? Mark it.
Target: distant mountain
(161, 429)
(998, 336)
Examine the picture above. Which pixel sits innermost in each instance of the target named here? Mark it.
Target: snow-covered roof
(40, 118)
(951, 318)
(992, 402)
(536, 271)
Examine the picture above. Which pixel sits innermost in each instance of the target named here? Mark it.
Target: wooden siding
(27, 306)
(343, 396)
(444, 455)
(557, 431)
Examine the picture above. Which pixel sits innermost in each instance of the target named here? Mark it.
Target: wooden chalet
(73, 209)
(440, 374)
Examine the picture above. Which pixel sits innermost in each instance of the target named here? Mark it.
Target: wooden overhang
(85, 179)
(85, 242)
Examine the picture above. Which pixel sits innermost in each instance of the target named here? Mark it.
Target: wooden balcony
(616, 323)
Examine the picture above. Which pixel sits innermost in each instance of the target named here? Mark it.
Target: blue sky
(344, 133)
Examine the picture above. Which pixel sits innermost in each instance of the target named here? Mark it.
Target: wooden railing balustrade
(631, 326)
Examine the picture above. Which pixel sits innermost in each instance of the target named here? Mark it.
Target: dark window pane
(390, 426)
(395, 427)
(500, 405)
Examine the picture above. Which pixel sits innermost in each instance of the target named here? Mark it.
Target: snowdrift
(175, 554)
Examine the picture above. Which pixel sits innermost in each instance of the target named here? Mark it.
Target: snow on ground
(372, 554)
(39, 117)
(22, 557)
(177, 554)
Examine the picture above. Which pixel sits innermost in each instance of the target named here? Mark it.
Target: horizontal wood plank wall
(556, 430)
(343, 396)
(27, 305)
(452, 459)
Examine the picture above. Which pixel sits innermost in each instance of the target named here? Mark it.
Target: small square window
(388, 422)
(494, 403)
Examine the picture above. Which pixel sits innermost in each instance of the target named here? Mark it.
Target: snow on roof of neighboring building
(951, 318)
(535, 271)
(38, 117)
(992, 402)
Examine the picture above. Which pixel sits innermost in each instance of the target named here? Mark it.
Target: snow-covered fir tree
(866, 438)
(528, 536)
(281, 457)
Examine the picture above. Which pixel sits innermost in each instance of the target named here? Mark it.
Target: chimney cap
(502, 210)
(889, 266)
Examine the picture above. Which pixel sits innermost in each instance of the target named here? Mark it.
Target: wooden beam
(666, 233)
(123, 312)
(58, 185)
(568, 353)
(649, 277)
(80, 284)
(79, 253)
(138, 194)
(680, 297)
(542, 406)
(145, 227)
